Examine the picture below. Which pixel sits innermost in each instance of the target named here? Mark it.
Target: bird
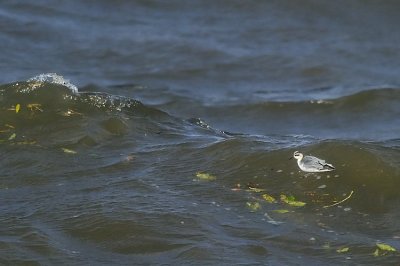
(311, 164)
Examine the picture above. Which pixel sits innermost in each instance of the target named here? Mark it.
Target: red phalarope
(312, 164)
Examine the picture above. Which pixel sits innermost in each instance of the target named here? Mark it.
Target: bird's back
(312, 163)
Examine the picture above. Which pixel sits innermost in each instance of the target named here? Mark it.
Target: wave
(369, 115)
(376, 97)
(49, 110)
(48, 100)
(53, 91)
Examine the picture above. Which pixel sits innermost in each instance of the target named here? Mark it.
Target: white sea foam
(55, 79)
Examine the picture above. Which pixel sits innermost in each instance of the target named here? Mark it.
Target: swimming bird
(312, 164)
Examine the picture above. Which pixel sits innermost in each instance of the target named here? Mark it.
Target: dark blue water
(168, 123)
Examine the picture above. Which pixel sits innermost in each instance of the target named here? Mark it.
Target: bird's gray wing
(314, 162)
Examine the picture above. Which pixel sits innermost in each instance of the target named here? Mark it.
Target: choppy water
(178, 120)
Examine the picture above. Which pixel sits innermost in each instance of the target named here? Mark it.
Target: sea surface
(154, 132)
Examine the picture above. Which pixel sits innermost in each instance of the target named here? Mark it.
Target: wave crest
(54, 78)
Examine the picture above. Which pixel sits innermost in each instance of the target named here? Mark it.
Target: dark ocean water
(169, 124)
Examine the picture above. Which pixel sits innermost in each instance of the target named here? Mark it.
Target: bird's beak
(291, 158)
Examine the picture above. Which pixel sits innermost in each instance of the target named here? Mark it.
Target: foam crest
(54, 79)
